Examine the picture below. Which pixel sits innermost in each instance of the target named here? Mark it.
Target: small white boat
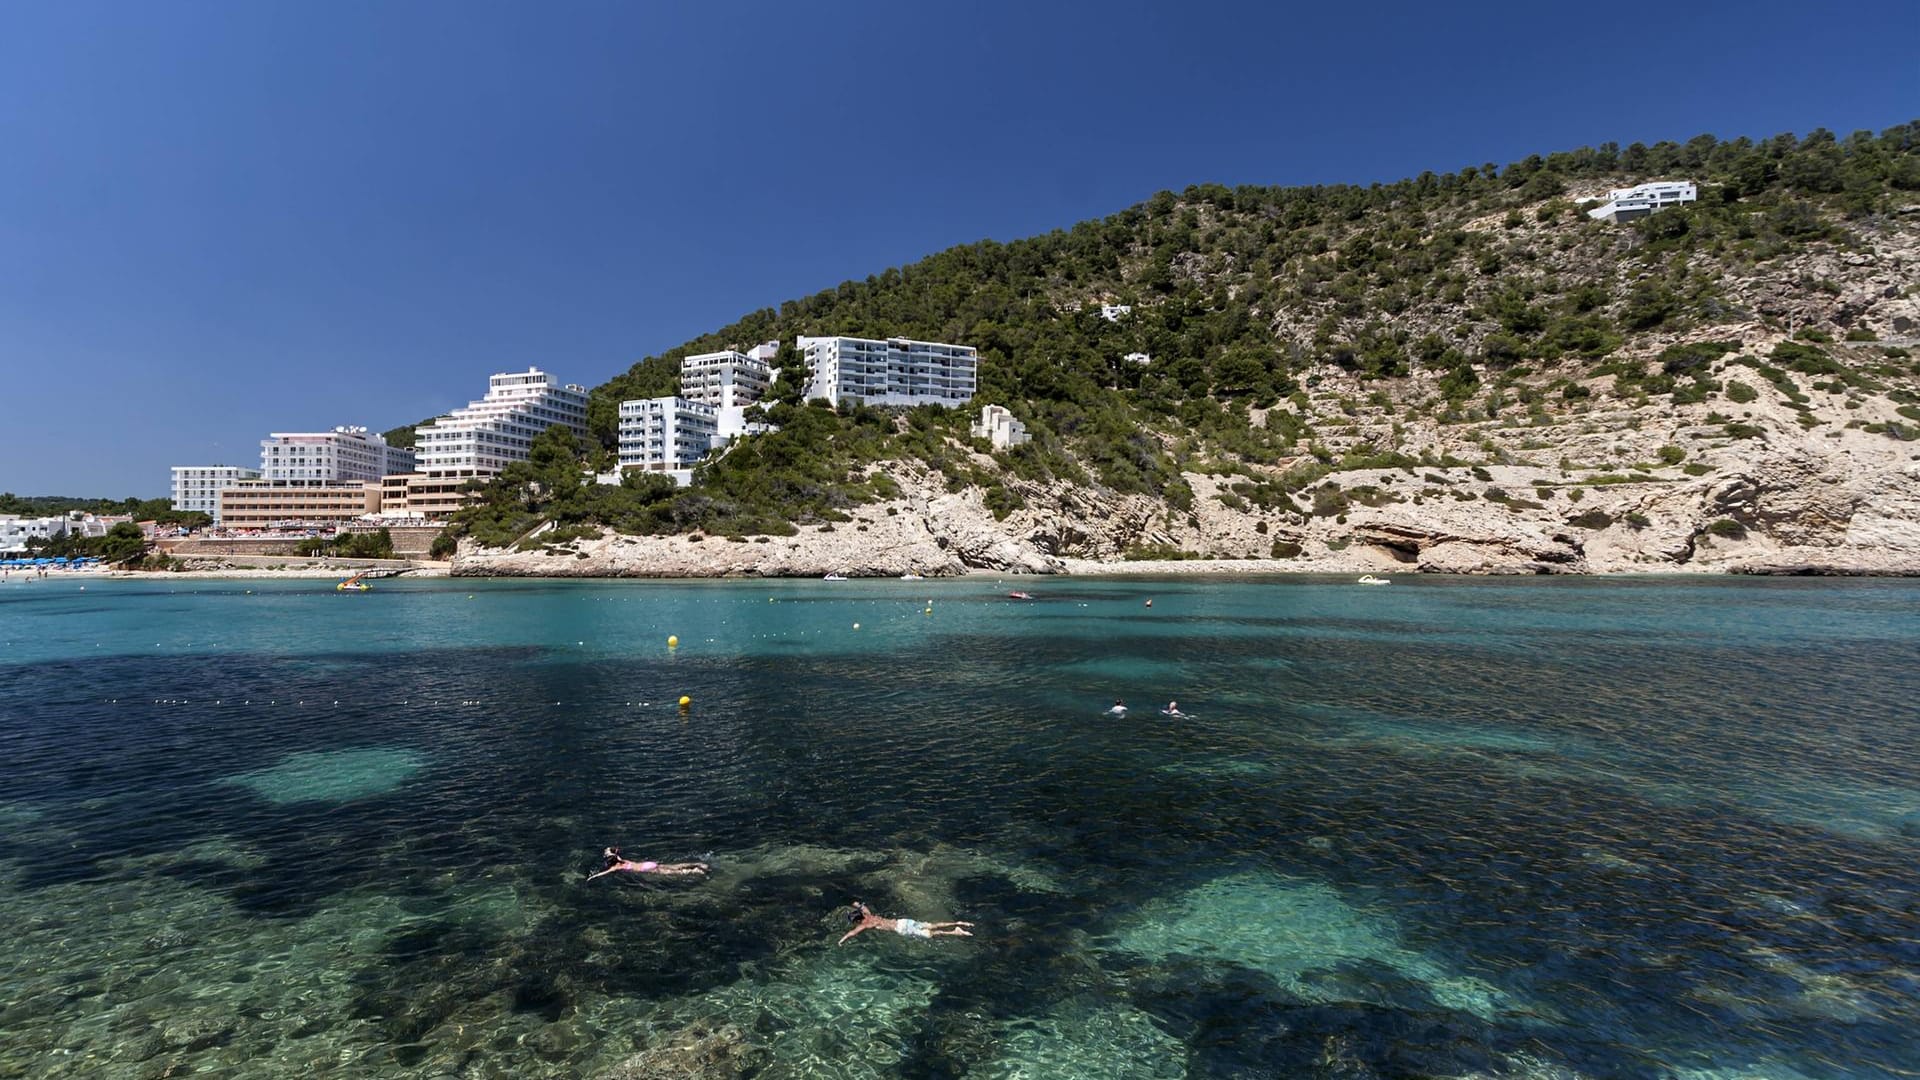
(834, 577)
(1369, 579)
(911, 577)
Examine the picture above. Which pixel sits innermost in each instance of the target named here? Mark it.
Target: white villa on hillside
(492, 433)
(1115, 312)
(897, 371)
(997, 426)
(1625, 204)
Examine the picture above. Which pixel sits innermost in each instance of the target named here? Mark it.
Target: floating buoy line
(331, 703)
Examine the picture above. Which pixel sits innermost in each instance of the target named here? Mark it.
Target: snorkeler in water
(864, 919)
(616, 864)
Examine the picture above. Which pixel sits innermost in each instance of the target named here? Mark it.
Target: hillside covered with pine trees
(1458, 371)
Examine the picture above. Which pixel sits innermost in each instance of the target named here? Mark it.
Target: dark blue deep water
(1550, 828)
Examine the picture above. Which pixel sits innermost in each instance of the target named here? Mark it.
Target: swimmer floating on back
(864, 919)
(618, 865)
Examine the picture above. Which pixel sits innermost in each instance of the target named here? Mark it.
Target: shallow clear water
(1640, 828)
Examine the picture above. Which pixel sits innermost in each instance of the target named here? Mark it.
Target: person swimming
(1119, 708)
(616, 864)
(1172, 709)
(864, 919)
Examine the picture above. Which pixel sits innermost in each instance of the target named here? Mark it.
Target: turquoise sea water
(1545, 828)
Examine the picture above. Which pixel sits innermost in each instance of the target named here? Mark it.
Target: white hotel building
(729, 381)
(726, 379)
(489, 434)
(323, 458)
(665, 434)
(896, 371)
(198, 487)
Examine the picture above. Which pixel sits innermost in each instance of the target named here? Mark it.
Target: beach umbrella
(61, 559)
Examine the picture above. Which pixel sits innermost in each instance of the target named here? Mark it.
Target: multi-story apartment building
(726, 379)
(198, 487)
(492, 433)
(1625, 204)
(730, 382)
(896, 371)
(665, 434)
(323, 458)
(258, 504)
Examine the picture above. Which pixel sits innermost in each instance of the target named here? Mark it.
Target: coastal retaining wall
(409, 541)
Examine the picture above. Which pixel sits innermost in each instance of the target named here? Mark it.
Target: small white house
(1115, 312)
(1626, 204)
(998, 427)
(1139, 358)
(15, 531)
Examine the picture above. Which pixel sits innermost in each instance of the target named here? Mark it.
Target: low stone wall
(409, 541)
(316, 562)
(195, 547)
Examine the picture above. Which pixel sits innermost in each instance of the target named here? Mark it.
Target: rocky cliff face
(1826, 500)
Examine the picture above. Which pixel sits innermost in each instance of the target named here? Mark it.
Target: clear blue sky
(219, 219)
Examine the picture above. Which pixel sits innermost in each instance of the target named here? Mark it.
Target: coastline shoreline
(1071, 568)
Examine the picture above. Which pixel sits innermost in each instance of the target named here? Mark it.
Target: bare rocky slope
(1549, 466)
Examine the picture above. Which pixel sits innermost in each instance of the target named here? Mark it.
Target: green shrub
(1861, 333)
(1806, 359)
(1330, 501)
(1738, 430)
(1740, 393)
(1727, 527)
(444, 545)
(1002, 501)
(1672, 455)
(1158, 553)
(1592, 519)
(1285, 549)
(1695, 468)
(1636, 520)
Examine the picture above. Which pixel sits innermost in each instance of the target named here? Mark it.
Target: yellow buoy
(673, 642)
(685, 701)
